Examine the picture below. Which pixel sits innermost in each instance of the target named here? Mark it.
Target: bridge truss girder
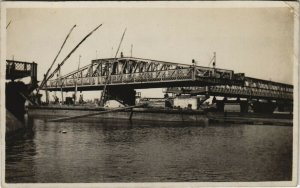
(253, 89)
(141, 73)
(20, 69)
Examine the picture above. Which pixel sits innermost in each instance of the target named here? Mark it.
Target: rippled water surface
(148, 152)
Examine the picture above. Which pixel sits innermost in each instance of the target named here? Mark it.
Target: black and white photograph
(149, 94)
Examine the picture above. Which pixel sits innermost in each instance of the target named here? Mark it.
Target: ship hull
(136, 114)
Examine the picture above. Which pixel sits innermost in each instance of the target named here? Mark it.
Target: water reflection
(124, 151)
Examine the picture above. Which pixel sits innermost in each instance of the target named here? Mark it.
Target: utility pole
(75, 97)
(131, 50)
(61, 90)
(47, 94)
(214, 64)
(215, 60)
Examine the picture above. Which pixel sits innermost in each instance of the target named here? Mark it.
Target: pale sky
(255, 41)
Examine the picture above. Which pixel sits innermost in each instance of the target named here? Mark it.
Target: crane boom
(67, 57)
(8, 24)
(46, 75)
(103, 94)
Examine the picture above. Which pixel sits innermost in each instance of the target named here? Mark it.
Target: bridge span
(124, 75)
(252, 88)
(263, 96)
(140, 73)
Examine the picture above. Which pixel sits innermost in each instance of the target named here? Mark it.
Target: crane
(104, 92)
(46, 75)
(67, 57)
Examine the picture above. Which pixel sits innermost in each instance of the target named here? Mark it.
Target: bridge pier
(244, 106)
(15, 103)
(220, 104)
(284, 106)
(124, 94)
(264, 107)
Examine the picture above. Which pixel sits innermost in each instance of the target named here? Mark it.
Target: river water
(114, 151)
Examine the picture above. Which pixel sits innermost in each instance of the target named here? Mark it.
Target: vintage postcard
(149, 94)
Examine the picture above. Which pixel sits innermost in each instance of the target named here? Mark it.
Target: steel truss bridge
(140, 73)
(252, 89)
(123, 75)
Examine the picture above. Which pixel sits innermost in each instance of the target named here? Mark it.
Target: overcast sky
(255, 41)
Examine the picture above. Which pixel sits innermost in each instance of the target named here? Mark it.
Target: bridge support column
(285, 106)
(124, 94)
(264, 107)
(47, 96)
(15, 103)
(220, 106)
(244, 106)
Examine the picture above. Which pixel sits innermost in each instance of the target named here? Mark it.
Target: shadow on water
(20, 149)
(26, 132)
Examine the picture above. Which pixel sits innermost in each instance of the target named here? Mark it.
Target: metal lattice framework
(252, 88)
(141, 73)
(178, 78)
(20, 69)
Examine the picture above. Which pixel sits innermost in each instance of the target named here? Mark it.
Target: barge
(134, 114)
(157, 115)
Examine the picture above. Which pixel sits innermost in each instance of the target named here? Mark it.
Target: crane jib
(46, 75)
(67, 57)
